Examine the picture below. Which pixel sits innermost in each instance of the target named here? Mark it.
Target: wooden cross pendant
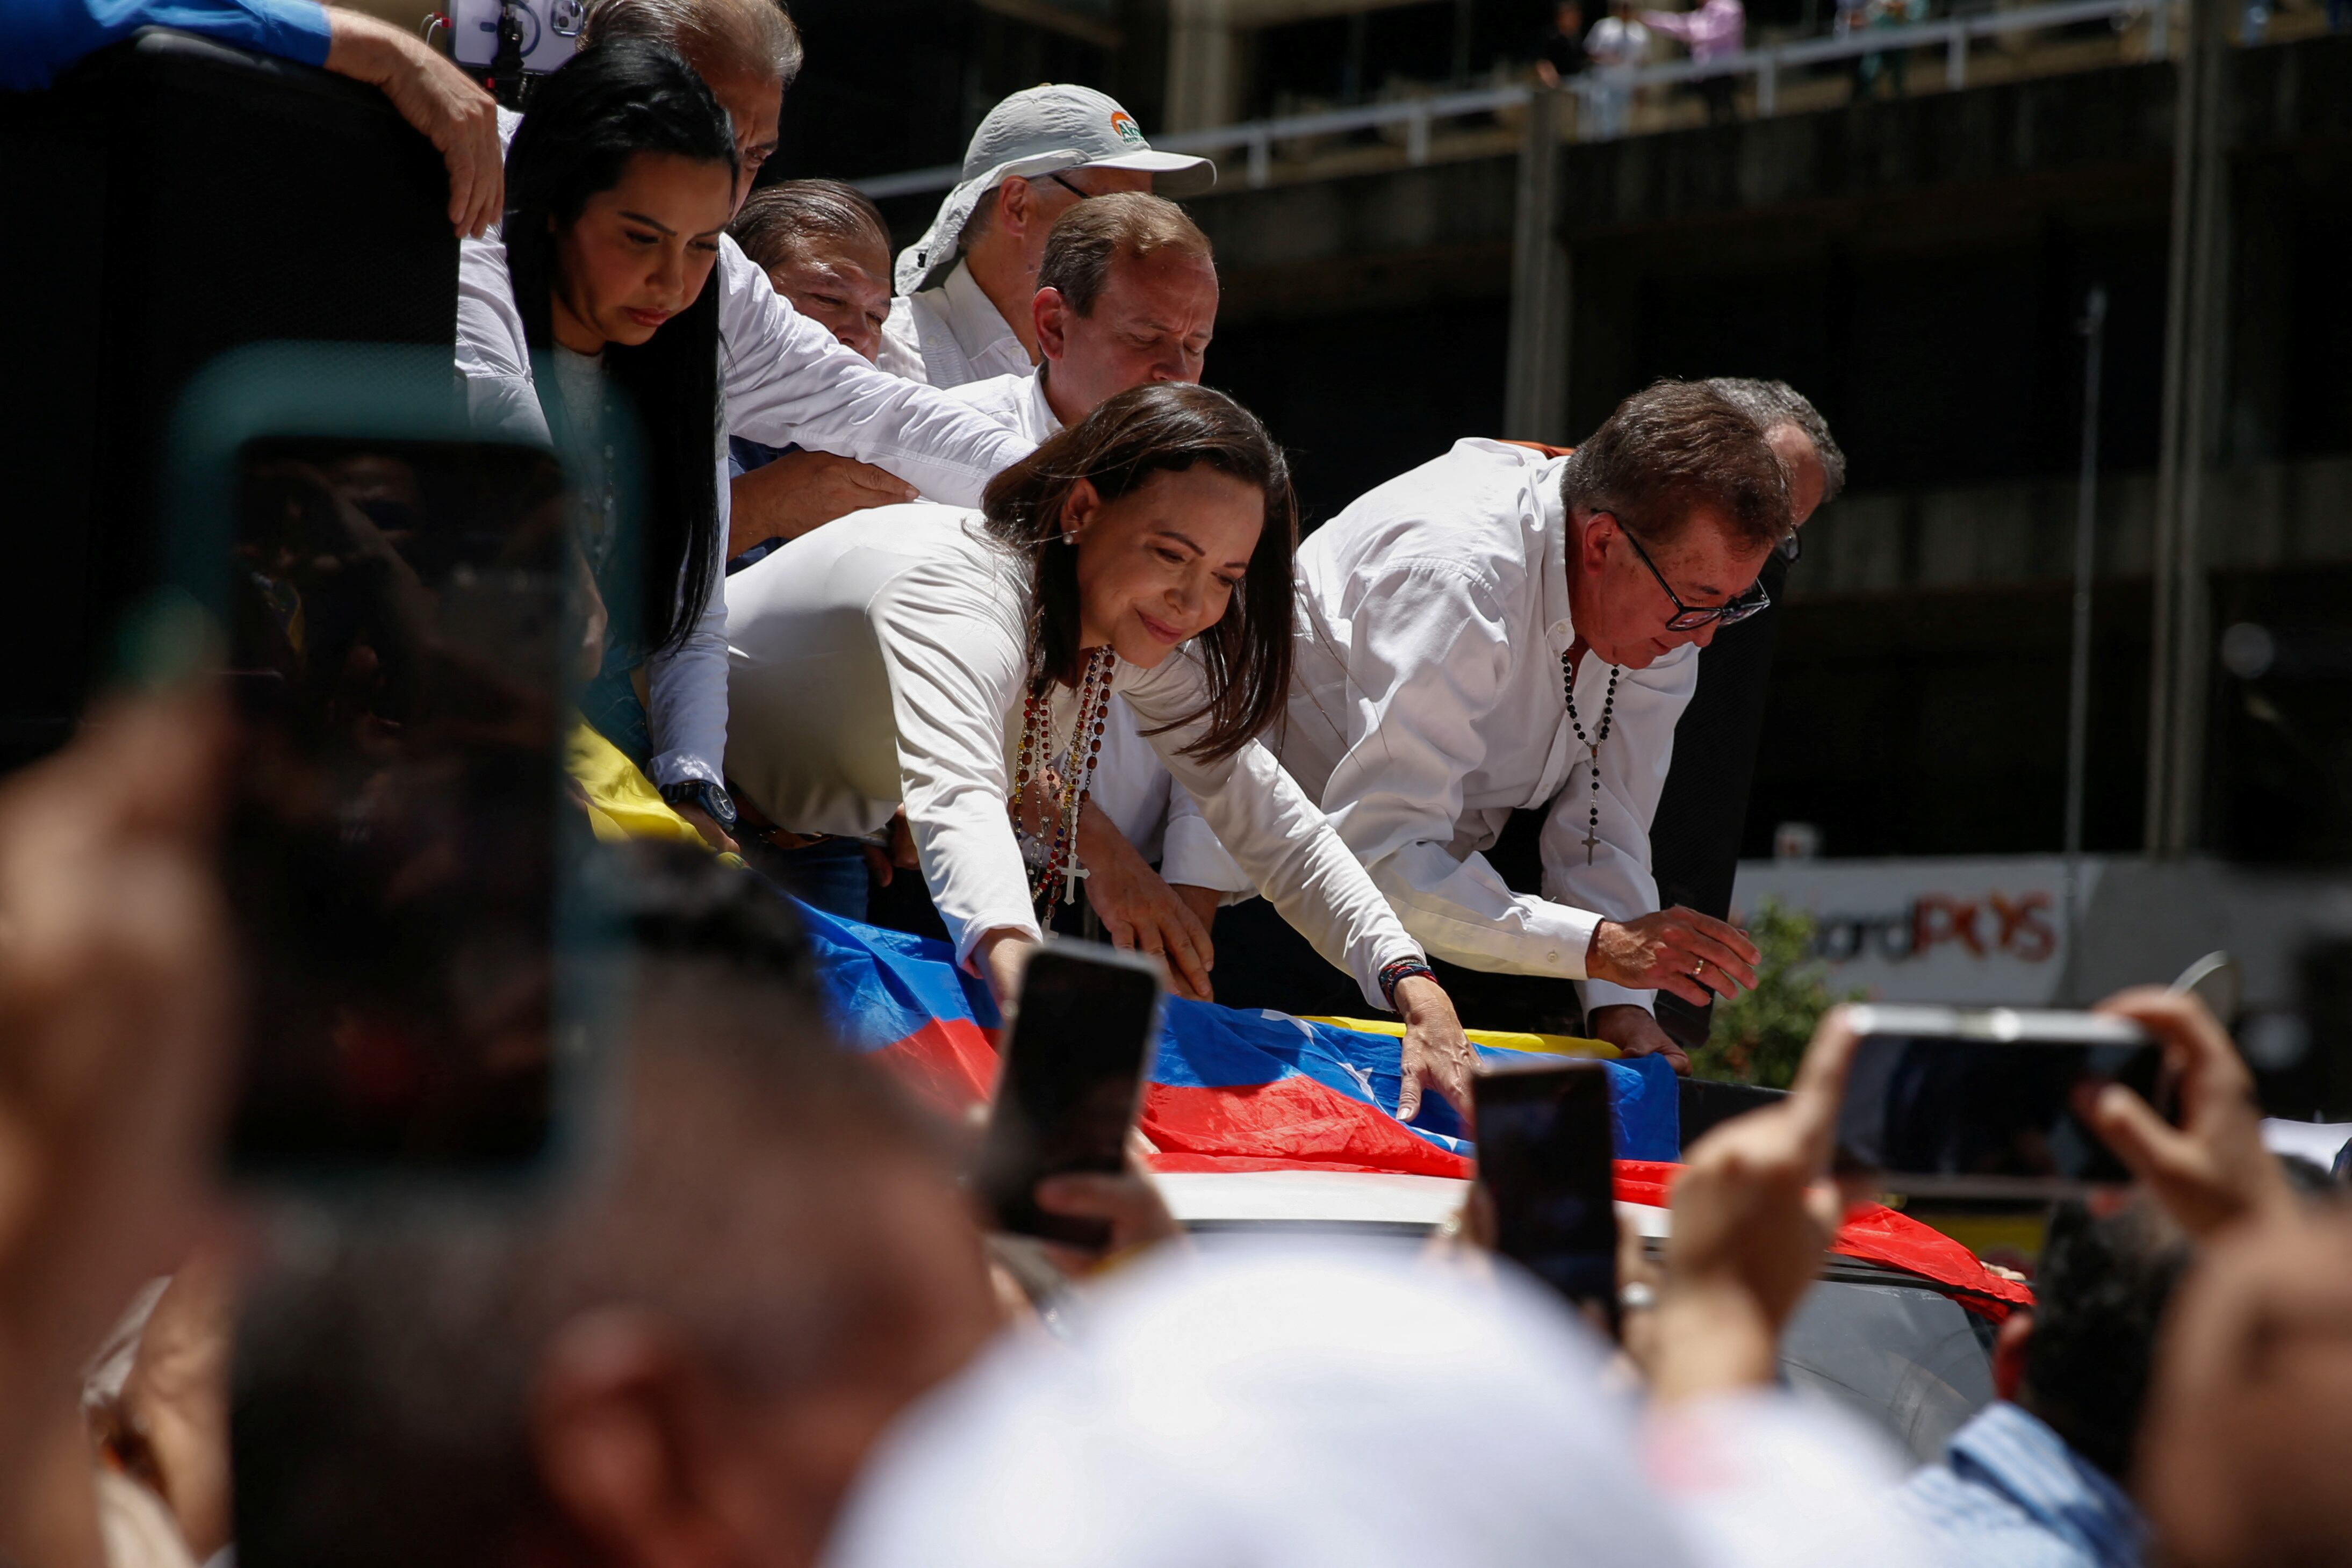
(1070, 876)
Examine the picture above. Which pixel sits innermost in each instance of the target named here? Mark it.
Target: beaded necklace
(1065, 791)
(1593, 742)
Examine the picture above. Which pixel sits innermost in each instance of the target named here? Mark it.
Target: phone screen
(397, 626)
(1940, 1106)
(1067, 1091)
(1546, 1157)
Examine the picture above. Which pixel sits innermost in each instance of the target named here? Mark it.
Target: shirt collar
(2012, 1452)
(1040, 410)
(973, 317)
(1559, 628)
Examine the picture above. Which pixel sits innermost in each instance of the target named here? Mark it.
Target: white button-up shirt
(949, 334)
(1148, 807)
(1427, 702)
(883, 659)
(783, 379)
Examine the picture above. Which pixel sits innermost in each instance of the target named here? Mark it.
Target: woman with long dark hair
(961, 663)
(620, 183)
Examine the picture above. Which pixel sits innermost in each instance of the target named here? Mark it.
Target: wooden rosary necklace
(1593, 742)
(1065, 796)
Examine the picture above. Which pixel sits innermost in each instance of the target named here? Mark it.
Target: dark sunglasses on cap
(1690, 618)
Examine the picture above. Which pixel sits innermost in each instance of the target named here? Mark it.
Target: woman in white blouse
(957, 662)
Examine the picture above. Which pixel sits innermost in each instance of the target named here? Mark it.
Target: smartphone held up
(1546, 1162)
(1069, 1083)
(1991, 1102)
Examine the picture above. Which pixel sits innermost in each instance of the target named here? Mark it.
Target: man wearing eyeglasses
(1443, 617)
(964, 287)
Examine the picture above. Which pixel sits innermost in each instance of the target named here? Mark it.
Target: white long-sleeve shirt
(1427, 703)
(1132, 786)
(783, 379)
(950, 334)
(883, 659)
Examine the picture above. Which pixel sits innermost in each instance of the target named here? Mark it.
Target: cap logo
(1129, 131)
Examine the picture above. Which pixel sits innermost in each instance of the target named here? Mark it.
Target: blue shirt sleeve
(38, 38)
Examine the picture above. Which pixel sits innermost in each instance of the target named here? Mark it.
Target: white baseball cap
(1041, 130)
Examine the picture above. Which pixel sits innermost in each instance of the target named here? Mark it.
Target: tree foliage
(1757, 1037)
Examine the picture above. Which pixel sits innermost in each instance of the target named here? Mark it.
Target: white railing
(1418, 115)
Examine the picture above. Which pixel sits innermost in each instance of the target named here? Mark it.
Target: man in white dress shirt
(1438, 614)
(1126, 295)
(965, 287)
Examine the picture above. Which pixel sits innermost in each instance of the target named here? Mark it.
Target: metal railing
(1420, 115)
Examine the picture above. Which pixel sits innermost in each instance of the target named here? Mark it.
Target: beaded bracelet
(1398, 970)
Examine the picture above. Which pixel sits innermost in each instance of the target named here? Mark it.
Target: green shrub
(1758, 1037)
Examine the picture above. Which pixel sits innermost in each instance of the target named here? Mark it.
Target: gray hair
(1776, 403)
(783, 222)
(756, 35)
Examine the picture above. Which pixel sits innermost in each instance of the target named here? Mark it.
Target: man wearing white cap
(966, 286)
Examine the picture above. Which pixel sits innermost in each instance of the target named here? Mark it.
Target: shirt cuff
(296, 29)
(1599, 994)
(682, 768)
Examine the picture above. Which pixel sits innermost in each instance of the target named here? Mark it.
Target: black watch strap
(707, 797)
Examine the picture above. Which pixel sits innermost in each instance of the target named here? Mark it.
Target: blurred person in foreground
(1338, 1406)
(1502, 628)
(681, 1360)
(826, 249)
(115, 1002)
(2038, 1478)
(40, 38)
(2042, 1477)
(965, 287)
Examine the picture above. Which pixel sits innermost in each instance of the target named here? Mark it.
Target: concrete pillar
(1204, 65)
(2195, 365)
(1534, 390)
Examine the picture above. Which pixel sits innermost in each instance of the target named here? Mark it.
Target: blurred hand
(1437, 1053)
(2212, 1171)
(1138, 1217)
(444, 103)
(1138, 912)
(1637, 1034)
(172, 1417)
(115, 1002)
(899, 857)
(1696, 956)
(1753, 1213)
(802, 491)
(2248, 1431)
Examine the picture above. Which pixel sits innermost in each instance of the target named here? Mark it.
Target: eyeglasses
(1082, 196)
(1687, 618)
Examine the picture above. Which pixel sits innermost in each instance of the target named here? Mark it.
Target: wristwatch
(705, 797)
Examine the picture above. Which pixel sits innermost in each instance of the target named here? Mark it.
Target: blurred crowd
(936, 591)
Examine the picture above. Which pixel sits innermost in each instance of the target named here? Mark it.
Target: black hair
(606, 105)
(1166, 427)
(2099, 1295)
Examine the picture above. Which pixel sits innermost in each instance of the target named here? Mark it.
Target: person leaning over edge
(960, 662)
(965, 287)
(1126, 296)
(782, 378)
(1499, 630)
(827, 251)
